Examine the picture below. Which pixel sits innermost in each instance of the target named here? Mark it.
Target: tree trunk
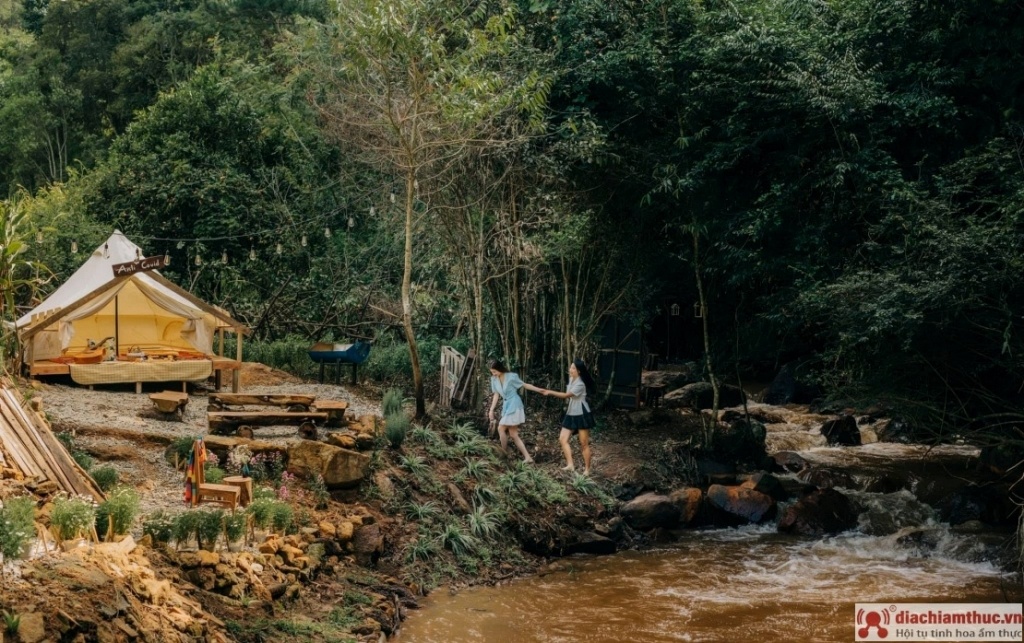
(709, 430)
(410, 334)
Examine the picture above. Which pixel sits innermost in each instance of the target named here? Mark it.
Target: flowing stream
(747, 584)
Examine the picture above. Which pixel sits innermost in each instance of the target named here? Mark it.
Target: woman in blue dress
(578, 419)
(505, 385)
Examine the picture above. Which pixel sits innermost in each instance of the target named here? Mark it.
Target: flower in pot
(234, 530)
(72, 518)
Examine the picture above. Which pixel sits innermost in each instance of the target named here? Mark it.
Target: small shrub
(122, 507)
(17, 519)
(421, 549)
(422, 512)
(262, 511)
(186, 524)
(12, 623)
(454, 537)
(318, 491)
(83, 459)
(483, 523)
(180, 448)
(263, 492)
(396, 427)
(211, 524)
(392, 402)
(158, 526)
(106, 477)
(414, 464)
(72, 517)
(234, 527)
(282, 517)
(214, 475)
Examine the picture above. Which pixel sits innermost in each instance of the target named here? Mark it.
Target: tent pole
(117, 348)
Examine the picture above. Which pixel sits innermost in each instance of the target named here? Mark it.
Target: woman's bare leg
(514, 432)
(563, 439)
(503, 437)
(585, 448)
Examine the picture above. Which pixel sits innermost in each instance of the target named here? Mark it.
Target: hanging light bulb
(106, 250)
(392, 196)
(415, 184)
(252, 254)
(224, 257)
(138, 254)
(373, 210)
(327, 232)
(199, 260)
(74, 247)
(279, 248)
(167, 258)
(303, 241)
(351, 222)
(39, 236)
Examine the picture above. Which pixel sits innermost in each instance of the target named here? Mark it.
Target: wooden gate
(620, 363)
(456, 375)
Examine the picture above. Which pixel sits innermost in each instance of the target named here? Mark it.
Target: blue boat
(355, 354)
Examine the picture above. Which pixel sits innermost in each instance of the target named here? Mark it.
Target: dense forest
(836, 186)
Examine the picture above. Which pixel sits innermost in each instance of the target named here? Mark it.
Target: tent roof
(96, 276)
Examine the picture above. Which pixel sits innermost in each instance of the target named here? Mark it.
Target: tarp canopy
(144, 310)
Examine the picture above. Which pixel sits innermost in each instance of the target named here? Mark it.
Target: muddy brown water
(736, 585)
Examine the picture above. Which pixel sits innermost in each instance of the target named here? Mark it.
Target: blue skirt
(576, 422)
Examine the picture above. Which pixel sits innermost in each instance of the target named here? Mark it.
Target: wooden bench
(227, 421)
(335, 410)
(291, 402)
(169, 401)
(222, 494)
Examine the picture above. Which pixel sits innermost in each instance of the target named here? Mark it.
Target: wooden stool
(169, 401)
(222, 494)
(335, 410)
(244, 485)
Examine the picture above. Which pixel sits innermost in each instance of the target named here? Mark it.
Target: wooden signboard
(139, 265)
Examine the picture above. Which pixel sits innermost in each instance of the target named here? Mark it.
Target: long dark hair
(498, 366)
(584, 372)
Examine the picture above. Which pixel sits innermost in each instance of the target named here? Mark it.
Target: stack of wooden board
(31, 450)
(293, 410)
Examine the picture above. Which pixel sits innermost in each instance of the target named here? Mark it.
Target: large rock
(767, 484)
(842, 432)
(650, 510)
(790, 461)
(700, 396)
(739, 505)
(368, 544)
(588, 542)
(689, 501)
(742, 441)
(339, 467)
(671, 380)
(824, 511)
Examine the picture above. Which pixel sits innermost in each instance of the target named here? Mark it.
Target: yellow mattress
(149, 371)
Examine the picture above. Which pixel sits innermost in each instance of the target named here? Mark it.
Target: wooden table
(244, 485)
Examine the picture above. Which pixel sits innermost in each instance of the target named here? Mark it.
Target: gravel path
(123, 429)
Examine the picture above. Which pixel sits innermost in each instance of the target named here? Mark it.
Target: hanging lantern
(199, 260)
(279, 249)
(106, 250)
(675, 310)
(373, 210)
(39, 236)
(392, 196)
(351, 222)
(74, 247)
(224, 257)
(138, 254)
(167, 258)
(698, 310)
(327, 232)
(415, 184)
(252, 254)
(303, 242)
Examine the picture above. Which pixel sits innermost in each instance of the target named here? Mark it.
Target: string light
(279, 248)
(303, 241)
(327, 232)
(224, 257)
(74, 247)
(199, 260)
(392, 196)
(373, 211)
(167, 258)
(351, 222)
(415, 184)
(252, 254)
(39, 236)
(106, 250)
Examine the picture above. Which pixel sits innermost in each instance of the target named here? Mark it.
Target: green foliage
(396, 426)
(180, 447)
(422, 512)
(475, 469)
(17, 516)
(234, 526)
(414, 464)
(484, 524)
(159, 526)
(120, 508)
(186, 527)
(454, 537)
(214, 475)
(209, 528)
(262, 511)
(282, 517)
(12, 622)
(391, 403)
(106, 477)
(72, 518)
(83, 460)
(318, 491)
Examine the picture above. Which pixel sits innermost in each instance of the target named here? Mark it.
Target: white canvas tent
(142, 310)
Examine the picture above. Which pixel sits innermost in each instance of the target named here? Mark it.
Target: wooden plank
(79, 477)
(262, 400)
(465, 377)
(222, 420)
(33, 449)
(63, 477)
(13, 442)
(50, 368)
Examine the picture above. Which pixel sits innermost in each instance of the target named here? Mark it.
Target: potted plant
(234, 530)
(72, 519)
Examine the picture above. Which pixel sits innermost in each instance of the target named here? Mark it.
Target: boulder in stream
(842, 431)
(733, 506)
(649, 511)
(823, 511)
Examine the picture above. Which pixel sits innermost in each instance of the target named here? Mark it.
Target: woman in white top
(577, 417)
